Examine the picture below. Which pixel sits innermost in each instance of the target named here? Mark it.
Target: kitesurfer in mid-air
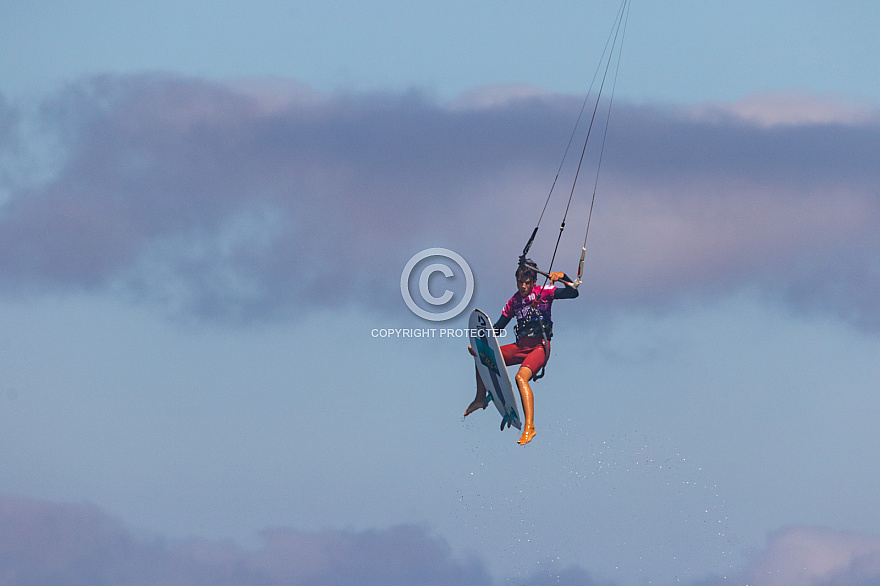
(534, 328)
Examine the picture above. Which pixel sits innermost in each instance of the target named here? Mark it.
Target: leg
(528, 403)
(531, 364)
(479, 401)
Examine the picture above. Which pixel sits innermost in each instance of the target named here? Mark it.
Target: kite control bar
(573, 285)
(523, 261)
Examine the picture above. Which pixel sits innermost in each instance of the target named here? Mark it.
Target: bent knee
(524, 374)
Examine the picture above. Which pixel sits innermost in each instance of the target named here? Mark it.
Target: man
(534, 328)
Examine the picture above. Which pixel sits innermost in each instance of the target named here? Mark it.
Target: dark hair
(527, 271)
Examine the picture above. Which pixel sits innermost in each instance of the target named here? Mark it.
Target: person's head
(526, 277)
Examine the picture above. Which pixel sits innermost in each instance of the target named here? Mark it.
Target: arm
(501, 323)
(566, 292)
(506, 316)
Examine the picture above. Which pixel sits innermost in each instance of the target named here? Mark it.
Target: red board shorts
(526, 351)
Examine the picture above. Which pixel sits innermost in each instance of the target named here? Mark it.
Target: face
(525, 286)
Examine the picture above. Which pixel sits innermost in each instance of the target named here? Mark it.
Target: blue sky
(205, 211)
(684, 52)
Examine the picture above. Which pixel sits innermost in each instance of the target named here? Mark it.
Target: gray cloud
(54, 544)
(43, 543)
(233, 202)
(46, 543)
(804, 556)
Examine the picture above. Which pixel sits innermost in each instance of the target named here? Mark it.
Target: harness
(536, 326)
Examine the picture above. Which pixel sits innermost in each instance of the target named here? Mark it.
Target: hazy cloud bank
(43, 543)
(235, 202)
(802, 556)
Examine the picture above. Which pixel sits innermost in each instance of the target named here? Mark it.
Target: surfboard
(491, 368)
